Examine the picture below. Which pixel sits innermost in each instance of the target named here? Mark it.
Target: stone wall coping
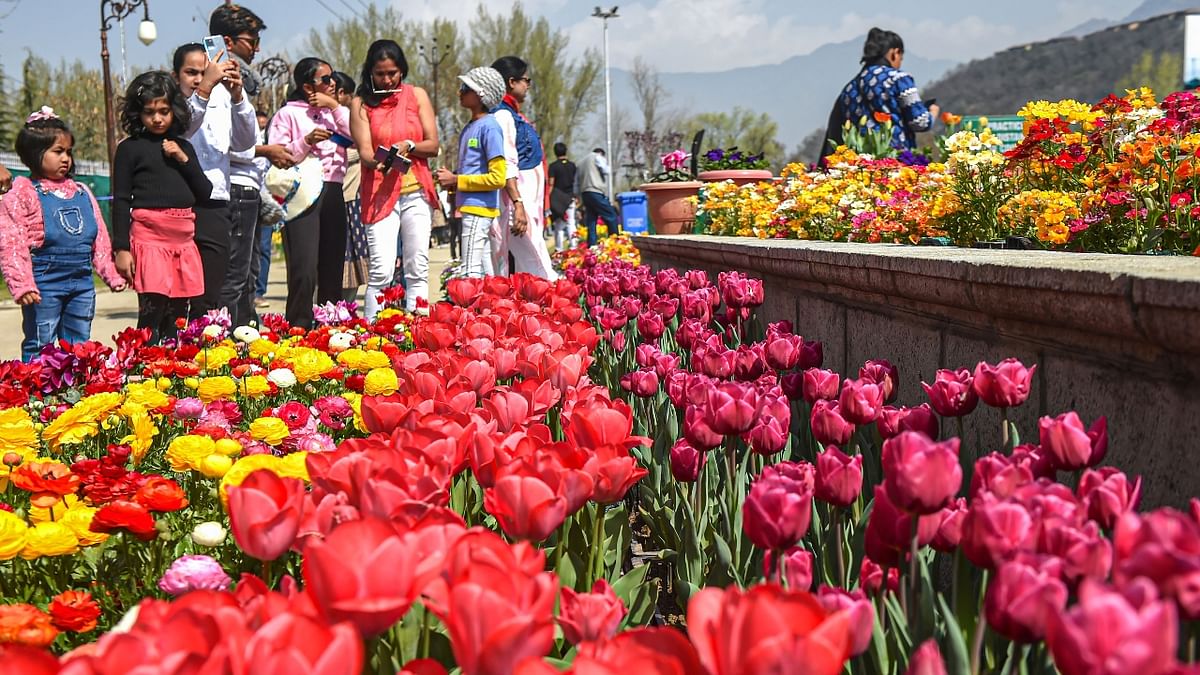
(1152, 300)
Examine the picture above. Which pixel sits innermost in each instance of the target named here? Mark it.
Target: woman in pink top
(397, 201)
(315, 241)
(51, 238)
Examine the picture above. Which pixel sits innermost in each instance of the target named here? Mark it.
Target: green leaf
(958, 660)
(640, 598)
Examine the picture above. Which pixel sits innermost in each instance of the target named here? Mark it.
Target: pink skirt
(166, 260)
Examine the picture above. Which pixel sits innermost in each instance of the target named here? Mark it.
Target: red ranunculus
(125, 515)
(160, 494)
(74, 611)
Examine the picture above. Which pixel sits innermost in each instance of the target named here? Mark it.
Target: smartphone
(214, 46)
(343, 141)
(390, 158)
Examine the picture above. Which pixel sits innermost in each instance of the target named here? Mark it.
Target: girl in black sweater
(156, 181)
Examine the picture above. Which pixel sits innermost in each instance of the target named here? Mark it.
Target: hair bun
(44, 113)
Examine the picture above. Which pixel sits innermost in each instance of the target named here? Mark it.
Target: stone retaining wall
(1111, 335)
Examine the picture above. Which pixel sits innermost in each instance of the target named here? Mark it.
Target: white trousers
(476, 246)
(528, 250)
(408, 225)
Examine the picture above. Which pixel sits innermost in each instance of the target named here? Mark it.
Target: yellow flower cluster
(363, 360)
(1049, 211)
(743, 211)
(1068, 109)
(381, 382)
(60, 530)
(216, 357)
(18, 434)
(81, 421)
(307, 363)
(201, 453)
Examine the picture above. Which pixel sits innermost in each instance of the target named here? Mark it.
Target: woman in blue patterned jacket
(882, 87)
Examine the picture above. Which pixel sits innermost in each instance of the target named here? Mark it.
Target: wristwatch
(411, 146)
(518, 200)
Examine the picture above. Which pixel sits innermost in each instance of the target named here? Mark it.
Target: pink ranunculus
(952, 393)
(1112, 632)
(1069, 445)
(839, 477)
(1004, 385)
(193, 573)
(921, 476)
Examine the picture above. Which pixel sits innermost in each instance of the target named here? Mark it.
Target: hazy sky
(675, 35)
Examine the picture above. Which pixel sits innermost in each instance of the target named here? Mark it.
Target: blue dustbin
(633, 212)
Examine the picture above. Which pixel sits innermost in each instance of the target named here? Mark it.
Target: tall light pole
(110, 11)
(434, 61)
(605, 16)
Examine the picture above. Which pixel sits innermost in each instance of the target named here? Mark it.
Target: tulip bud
(209, 534)
(860, 401)
(951, 393)
(1070, 446)
(870, 577)
(828, 425)
(821, 384)
(862, 614)
(731, 407)
(686, 461)
(882, 373)
(927, 660)
(794, 567)
(590, 617)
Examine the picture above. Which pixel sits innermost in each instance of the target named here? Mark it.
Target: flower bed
(463, 490)
(1116, 177)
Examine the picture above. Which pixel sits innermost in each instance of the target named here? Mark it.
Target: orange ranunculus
(767, 629)
(74, 611)
(161, 495)
(25, 624)
(48, 481)
(125, 515)
(881, 117)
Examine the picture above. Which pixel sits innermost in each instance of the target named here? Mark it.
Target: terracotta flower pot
(738, 176)
(670, 210)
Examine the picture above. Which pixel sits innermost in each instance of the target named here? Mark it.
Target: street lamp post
(605, 16)
(110, 11)
(433, 60)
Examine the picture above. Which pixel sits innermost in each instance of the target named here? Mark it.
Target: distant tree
(77, 96)
(9, 121)
(747, 130)
(1161, 71)
(344, 43)
(35, 84)
(660, 126)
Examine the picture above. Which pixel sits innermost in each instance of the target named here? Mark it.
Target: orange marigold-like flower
(881, 117)
(74, 611)
(48, 481)
(27, 625)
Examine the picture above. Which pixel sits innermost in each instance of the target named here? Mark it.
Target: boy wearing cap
(481, 169)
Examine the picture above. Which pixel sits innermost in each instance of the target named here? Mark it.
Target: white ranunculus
(282, 378)
(340, 342)
(213, 331)
(210, 534)
(246, 334)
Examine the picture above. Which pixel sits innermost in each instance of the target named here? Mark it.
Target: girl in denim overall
(52, 237)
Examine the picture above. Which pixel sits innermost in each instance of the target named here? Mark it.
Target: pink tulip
(839, 477)
(783, 350)
(770, 433)
(1108, 494)
(714, 361)
(698, 431)
(828, 425)
(650, 326)
(871, 577)
(738, 290)
(860, 401)
(1164, 547)
(794, 566)
(892, 421)
(1069, 445)
(921, 476)
(882, 373)
(676, 385)
(686, 461)
(821, 384)
(641, 382)
(778, 509)
(1004, 385)
(927, 660)
(998, 475)
(792, 385)
(732, 407)
(1036, 459)
(952, 393)
(862, 614)
(950, 522)
(1021, 598)
(1083, 551)
(749, 362)
(691, 331)
(590, 617)
(1114, 633)
(812, 355)
(994, 530)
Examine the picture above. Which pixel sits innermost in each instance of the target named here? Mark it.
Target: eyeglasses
(252, 41)
(526, 79)
(326, 79)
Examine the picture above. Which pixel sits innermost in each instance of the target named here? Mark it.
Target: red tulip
(839, 477)
(19, 658)
(1107, 494)
(525, 507)
(590, 617)
(1111, 633)
(952, 393)
(770, 433)
(862, 614)
(1021, 597)
(950, 522)
(698, 431)
(860, 401)
(686, 461)
(921, 476)
(294, 643)
(778, 509)
(794, 566)
(594, 426)
(812, 355)
(927, 660)
(365, 573)
(265, 513)
(692, 331)
(663, 651)
(828, 425)
(1004, 385)
(650, 326)
(749, 362)
(882, 373)
(1069, 445)
(821, 384)
(732, 407)
(766, 629)
(642, 382)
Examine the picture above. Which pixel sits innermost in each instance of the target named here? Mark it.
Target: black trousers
(237, 291)
(314, 245)
(159, 313)
(212, 238)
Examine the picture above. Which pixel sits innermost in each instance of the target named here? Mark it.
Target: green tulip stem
(977, 643)
(835, 520)
(1004, 428)
(266, 572)
(914, 575)
(597, 534)
(425, 631)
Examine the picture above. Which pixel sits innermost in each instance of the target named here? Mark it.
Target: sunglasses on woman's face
(324, 79)
(462, 89)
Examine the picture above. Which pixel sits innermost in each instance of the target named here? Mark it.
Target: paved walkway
(116, 311)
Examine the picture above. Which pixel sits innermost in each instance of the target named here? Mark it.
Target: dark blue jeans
(67, 307)
(262, 264)
(596, 205)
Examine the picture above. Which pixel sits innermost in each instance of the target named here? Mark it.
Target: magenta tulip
(778, 509)
(999, 475)
(839, 477)
(1004, 385)
(892, 421)
(1069, 445)
(882, 373)
(794, 566)
(828, 425)
(994, 530)
(927, 660)
(641, 382)
(862, 613)
(950, 522)
(1021, 598)
(821, 384)
(783, 350)
(1108, 494)
(770, 433)
(952, 393)
(921, 476)
(686, 461)
(697, 431)
(1114, 633)
(812, 355)
(732, 407)
(860, 401)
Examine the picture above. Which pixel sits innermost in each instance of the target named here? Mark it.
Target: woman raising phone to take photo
(397, 195)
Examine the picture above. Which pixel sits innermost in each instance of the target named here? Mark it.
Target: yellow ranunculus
(355, 401)
(269, 430)
(142, 397)
(185, 452)
(142, 437)
(12, 535)
(228, 447)
(16, 431)
(380, 382)
(253, 386)
(79, 519)
(216, 388)
(38, 514)
(81, 421)
(216, 357)
(309, 364)
(49, 539)
(262, 348)
(215, 466)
